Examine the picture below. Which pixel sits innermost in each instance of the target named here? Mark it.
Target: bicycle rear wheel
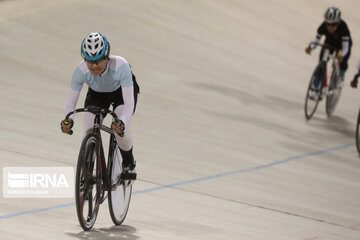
(88, 187)
(311, 102)
(357, 137)
(119, 196)
(333, 96)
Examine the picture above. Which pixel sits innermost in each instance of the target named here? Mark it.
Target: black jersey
(335, 39)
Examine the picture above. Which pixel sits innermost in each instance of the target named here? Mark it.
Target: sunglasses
(96, 61)
(332, 24)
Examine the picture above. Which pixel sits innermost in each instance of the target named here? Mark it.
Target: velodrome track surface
(221, 142)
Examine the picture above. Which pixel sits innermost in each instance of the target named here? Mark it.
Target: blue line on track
(193, 180)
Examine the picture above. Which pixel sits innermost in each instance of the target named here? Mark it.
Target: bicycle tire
(118, 198)
(87, 163)
(357, 135)
(332, 98)
(312, 104)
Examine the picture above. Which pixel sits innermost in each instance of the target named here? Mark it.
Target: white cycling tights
(125, 143)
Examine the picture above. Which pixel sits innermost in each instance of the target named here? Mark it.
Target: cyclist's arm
(71, 101)
(320, 32)
(345, 46)
(315, 42)
(126, 110)
(345, 39)
(128, 107)
(77, 81)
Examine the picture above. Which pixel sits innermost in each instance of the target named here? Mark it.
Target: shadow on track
(114, 232)
(338, 124)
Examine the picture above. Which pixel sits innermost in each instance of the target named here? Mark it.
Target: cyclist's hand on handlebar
(118, 127)
(308, 50)
(66, 126)
(354, 82)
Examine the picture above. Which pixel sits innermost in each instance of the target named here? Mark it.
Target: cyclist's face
(97, 67)
(332, 27)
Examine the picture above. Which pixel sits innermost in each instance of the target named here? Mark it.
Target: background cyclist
(111, 82)
(337, 34)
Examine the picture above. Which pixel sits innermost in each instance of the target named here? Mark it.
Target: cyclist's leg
(88, 122)
(97, 99)
(344, 64)
(126, 142)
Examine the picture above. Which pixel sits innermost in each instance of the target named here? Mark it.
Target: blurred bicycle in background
(321, 85)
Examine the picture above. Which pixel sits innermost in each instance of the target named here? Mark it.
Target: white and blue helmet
(332, 15)
(95, 46)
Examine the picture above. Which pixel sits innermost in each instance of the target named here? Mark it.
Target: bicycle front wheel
(87, 188)
(120, 194)
(313, 93)
(333, 96)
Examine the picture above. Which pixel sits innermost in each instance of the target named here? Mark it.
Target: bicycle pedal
(128, 176)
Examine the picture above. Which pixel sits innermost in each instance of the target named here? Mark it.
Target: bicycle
(319, 86)
(94, 177)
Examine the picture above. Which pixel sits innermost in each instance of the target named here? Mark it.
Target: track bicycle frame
(326, 56)
(104, 170)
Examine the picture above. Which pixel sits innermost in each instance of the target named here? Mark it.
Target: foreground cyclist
(110, 82)
(337, 35)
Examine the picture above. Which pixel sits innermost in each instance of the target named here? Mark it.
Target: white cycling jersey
(117, 74)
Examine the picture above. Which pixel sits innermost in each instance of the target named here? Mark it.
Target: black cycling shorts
(105, 99)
